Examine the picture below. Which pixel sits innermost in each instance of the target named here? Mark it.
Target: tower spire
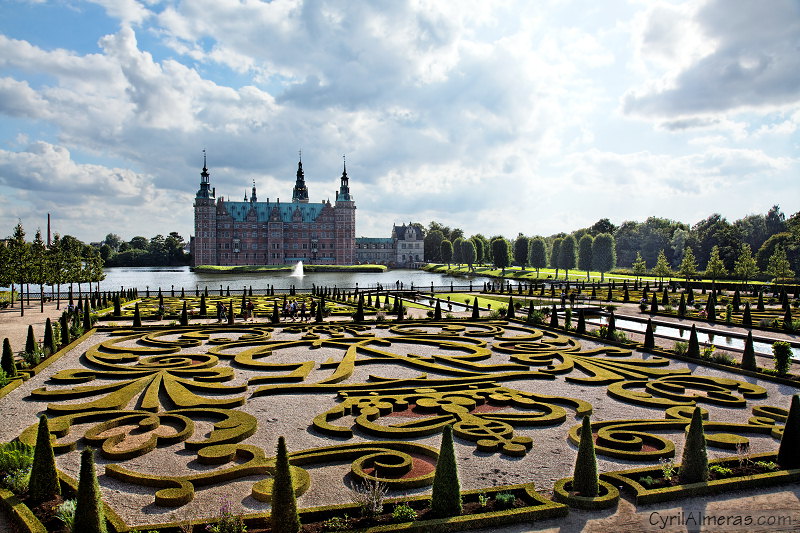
(344, 189)
(253, 195)
(300, 192)
(205, 190)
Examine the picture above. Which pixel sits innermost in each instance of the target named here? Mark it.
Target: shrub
(667, 468)
(694, 463)
(338, 523)
(17, 481)
(227, 522)
(693, 349)
(680, 348)
(446, 493)
(483, 500)
(66, 513)
(647, 481)
(708, 352)
(89, 511)
(720, 471)
(30, 342)
(769, 466)
(15, 455)
(504, 500)
(404, 513)
(749, 355)
(284, 515)
(44, 484)
(790, 441)
(723, 359)
(649, 338)
(49, 340)
(782, 352)
(584, 478)
(369, 496)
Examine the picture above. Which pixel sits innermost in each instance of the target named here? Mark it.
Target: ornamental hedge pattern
(375, 395)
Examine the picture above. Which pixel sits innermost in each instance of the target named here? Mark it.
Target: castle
(273, 233)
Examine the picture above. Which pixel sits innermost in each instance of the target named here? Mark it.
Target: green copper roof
(239, 210)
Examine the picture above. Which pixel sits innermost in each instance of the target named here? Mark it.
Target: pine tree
(584, 477)
(137, 317)
(649, 337)
(7, 363)
(49, 341)
(694, 463)
(89, 510)
(749, 356)
(446, 494)
(694, 345)
(283, 517)
(30, 342)
(788, 456)
(44, 484)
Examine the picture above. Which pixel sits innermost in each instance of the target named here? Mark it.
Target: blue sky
(497, 117)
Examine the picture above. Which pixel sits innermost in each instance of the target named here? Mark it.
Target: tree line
(140, 251)
(751, 247)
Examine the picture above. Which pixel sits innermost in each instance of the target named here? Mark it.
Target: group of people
(292, 309)
(223, 310)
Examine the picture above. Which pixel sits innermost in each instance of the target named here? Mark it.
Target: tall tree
(688, 268)
(537, 255)
(567, 254)
(38, 265)
(468, 252)
(555, 254)
(446, 252)
(746, 267)
(521, 246)
(458, 251)
(500, 253)
(639, 266)
(433, 246)
(662, 269)
(715, 268)
(775, 221)
(18, 260)
(778, 266)
(604, 257)
(585, 253)
(479, 241)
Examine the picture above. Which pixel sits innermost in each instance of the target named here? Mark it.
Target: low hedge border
(608, 496)
(19, 513)
(30, 372)
(627, 479)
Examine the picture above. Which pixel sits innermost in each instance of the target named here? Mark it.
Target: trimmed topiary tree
(137, 317)
(682, 305)
(89, 510)
(584, 477)
(446, 494)
(437, 311)
(611, 327)
(510, 313)
(787, 318)
(184, 315)
(283, 517)
(87, 318)
(694, 463)
(694, 345)
(581, 327)
(749, 355)
(64, 329)
(747, 320)
(782, 352)
(44, 485)
(788, 456)
(654, 304)
(554, 317)
(7, 362)
(649, 337)
(30, 341)
(475, 309)
(49, 342)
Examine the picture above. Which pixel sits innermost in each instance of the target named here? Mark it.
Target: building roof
(239, 210)
(374, 240)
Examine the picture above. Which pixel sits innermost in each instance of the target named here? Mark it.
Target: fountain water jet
(297, 271)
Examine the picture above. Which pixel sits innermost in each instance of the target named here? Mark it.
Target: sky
(499, 117)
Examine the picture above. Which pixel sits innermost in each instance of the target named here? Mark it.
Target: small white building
(403, 249)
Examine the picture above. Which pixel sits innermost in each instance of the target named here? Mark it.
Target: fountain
(297, 271)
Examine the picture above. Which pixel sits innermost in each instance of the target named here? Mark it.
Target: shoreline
(255, 269)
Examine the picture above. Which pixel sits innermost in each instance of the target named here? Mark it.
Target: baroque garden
(185, 411)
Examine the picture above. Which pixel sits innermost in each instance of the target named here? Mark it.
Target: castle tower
(345, 208)
(204, 244)
(300, 192)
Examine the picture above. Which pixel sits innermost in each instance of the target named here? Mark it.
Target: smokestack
(48, 230)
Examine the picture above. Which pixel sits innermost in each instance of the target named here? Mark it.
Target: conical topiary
(446, 495)
(749, 355)
(788, 456)
(510, 312)
(694, 463)
(30, 342)
(64, 329)
(694, 345)
(654, 304)
(437, 311)
(682, 305)
(475, 309)
(89, 510)
(554, 317)
(44, 485)
(87, 318)
(276, 315)
(7, 362)
(231, 314)
(611, 327)
(787, 319)
(747, 319)
(584, 477)
(203, 306)
(581, 327)
(283, 517)
(359, 314)
(649, 337)
(137, 317)
(49, 342)
(760, 304)
(184, 315)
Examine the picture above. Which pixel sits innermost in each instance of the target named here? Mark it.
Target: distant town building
(273, 233)
(403, 249)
